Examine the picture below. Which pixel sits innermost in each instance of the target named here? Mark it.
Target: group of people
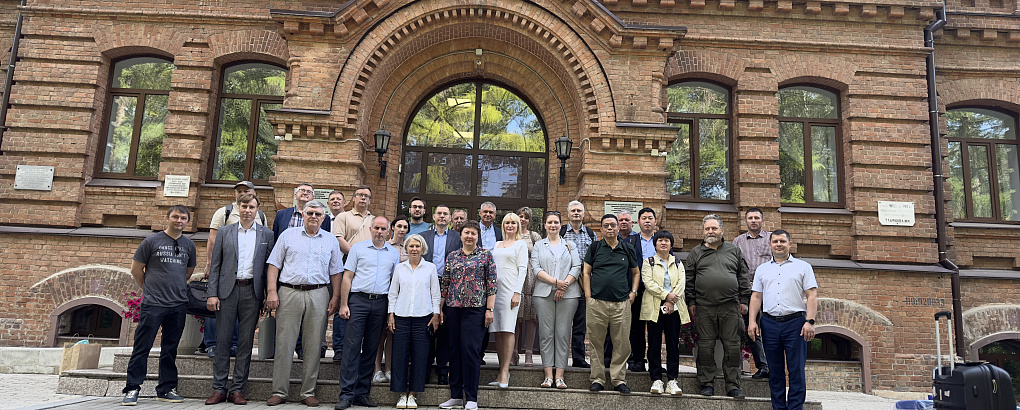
(441, 289)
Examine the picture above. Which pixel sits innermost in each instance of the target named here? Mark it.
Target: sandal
(560, 384)
(528, 362)
(547, 383)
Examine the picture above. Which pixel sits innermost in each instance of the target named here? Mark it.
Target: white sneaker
(452, 404)
(379, 377)
(656, 387)
(402, 403)
(471, 405)
(411, 404)
(674, 388)
(387, 375)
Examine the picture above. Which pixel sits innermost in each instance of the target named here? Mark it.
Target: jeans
(209, 335)
(151, 319)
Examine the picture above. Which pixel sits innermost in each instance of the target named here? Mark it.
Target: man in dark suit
(440, 241)
(288, 218)
(237, 289)
(292, 217)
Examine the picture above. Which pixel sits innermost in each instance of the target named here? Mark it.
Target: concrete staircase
(196, 380)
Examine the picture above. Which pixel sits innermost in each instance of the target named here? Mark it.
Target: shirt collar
(305, 233)
(790, 259)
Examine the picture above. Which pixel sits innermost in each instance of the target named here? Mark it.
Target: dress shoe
(622, 388)
(761, 374)
(217, 397)
(364, 402)
(581, 364)
(236, 398)
(275, 401)
(636, 367)
(736, 394)
(707, 391)
(596, 387)
(343, 404)
(444, 379)
(310, 401)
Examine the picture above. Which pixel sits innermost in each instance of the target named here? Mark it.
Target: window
(473, 142)
(983, 171)
(89, 321)
(809, 151)
(132, 143)
(698, 163)
(830, 346)
(246, 143)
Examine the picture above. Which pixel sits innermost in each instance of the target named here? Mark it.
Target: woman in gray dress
(556, 265)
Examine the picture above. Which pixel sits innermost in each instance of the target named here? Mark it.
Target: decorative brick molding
(1002, 92)
(265, 45)
(119, 40)
(821, 69)
(704, 64)
(982, 324)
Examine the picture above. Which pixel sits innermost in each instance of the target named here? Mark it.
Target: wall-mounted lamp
(563, 145)
(382, 144)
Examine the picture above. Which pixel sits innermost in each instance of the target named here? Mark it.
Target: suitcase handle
(945, 313)
(995, 386)
(938, 340)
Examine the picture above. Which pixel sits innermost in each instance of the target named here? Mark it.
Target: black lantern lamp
(382, 144)
(563, 145)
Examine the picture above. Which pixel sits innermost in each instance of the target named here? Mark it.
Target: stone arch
(990, 323)
(865, 351)
(832, 72)
(125, 324)
(703, 64)
(995, 92)
(264, 45)
(573, 61)
(121, 40)
(975, 348)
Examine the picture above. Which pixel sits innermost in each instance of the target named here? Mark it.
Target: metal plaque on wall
(33, 177)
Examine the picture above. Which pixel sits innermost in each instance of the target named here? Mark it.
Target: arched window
(474, 142)
(132, 141)
(830, 346)
(245, 141)
(809, 150)
(88, 321)
(983, 164)
(698, 163)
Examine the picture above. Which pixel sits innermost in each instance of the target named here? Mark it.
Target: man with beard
(717, 294)
(416, 217)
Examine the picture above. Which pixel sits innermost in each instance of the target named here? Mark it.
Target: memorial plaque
(35, 178)
(176, 185)
(896, 213)
(615, 207)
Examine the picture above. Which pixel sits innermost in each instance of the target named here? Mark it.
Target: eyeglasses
(609, 226)
(313, 214)
(177, 248)
(363, 195)
(306, 191)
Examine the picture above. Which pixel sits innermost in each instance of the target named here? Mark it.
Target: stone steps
(106, 382)
(520, 376)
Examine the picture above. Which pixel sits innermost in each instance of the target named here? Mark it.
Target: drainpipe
(10, 77)
(939, 179)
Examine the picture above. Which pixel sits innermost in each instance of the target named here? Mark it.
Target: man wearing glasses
(161, 266)
(303, 264)
(611, 276)
(291, 217)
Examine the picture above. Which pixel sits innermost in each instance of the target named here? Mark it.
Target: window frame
(693, 122)
(140, 94)
(253, 122)
(806, 124)
(993, 172)
(473, 201)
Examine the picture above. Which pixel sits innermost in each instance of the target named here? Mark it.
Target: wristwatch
(491, 310)
(811, 321)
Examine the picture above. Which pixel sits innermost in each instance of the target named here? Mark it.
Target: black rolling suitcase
(971, 385)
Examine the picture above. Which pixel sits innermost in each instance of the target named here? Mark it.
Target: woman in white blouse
(511, 257)
(414, 301)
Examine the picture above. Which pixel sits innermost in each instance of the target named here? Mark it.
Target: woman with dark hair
(527, 319)
(556, 266)
(413, 307)
(469, 294)
(663, 306)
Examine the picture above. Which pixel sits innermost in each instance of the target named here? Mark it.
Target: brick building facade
(735, 93)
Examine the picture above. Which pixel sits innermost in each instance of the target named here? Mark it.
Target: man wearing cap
(226, 215)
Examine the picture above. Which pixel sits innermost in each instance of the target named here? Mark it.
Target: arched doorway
(475, 141)
(1005, 354)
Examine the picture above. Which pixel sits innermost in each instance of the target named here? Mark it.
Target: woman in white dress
(511, 257)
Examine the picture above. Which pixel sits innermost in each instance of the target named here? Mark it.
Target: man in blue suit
(237, 289)
(441, 240)
(288, 218)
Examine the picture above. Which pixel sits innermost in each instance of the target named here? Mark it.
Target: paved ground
(35, 392)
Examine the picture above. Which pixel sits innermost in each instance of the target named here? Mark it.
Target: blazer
(543, 259)
(652, 275)
(283, 219)
(452, 242)
(223, 269)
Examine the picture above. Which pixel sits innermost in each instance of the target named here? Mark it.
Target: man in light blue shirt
(788, 321)
(416, 217)
(490, 232)
(363, 302)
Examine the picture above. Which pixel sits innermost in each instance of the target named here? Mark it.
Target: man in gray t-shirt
(161, 266)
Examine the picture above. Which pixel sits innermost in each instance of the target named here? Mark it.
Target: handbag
(198, 293)
(267, 337)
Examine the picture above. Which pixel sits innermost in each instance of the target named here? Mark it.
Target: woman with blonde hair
(414, 300)
(511, 257)
(556, 265)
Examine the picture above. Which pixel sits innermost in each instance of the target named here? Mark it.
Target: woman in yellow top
(663, 306)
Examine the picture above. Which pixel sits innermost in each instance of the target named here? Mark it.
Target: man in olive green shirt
(609, 293)
(717, 295)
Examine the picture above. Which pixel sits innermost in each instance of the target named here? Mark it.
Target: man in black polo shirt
(609, 293)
